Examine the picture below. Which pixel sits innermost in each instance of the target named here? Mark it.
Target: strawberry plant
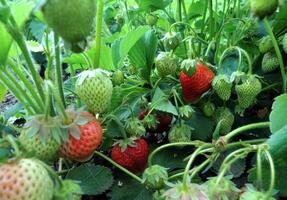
(143, 99)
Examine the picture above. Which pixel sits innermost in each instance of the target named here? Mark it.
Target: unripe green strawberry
(95, 88)
(171, 40)
(222, 86)
(155, 177)
(192, 192)
(263, 8)
(248, 91)
(186, 112)
(151, 19)
(226, 117)
(208, 109)
(284, 43)
(225, 189)
(25, 179)
(38, 137)
(180, 133)
(166, 64)
(265, 44)
(270, 62)
(47, 150)
(135, 127)
(118, 77)
(251, 193)
(73, 20)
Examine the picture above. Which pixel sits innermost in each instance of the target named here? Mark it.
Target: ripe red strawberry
(194, 86)
(25, 179)
(91, 135)
(163, 119)
(131, 156)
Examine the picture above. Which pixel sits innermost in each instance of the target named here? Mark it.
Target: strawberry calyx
(125, 143)
(99, 73)
(76, 119)
(45, 126)
(188, 66)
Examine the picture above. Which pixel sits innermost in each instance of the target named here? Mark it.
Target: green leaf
(279, 23)
(122, 46)
(105, 58)
(143, 53)
(278, 115)
(177, 155)
(130, 189)
(21, 10)
(93, 180)
(278, 150)
(5, 13)
(236, 169)
(203, 126)
(161, 103)
(3, 92)
(152, 4)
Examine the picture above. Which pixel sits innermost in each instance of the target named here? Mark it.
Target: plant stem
(177, 144)
(119, 167)
(17, 70)
(59, 70)
(246, 128)
(192, 158)
(228, 161)
(200, 167)
(23, 93)
(278, 53)
(57, 98)
(15, 92)
(73, 75)
(19, 38)
(100, 9)
(184, 10)
(259, 168)
(48, 101)
(244, 143)
(272, 176)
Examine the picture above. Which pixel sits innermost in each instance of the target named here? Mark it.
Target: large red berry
(163, 119)
(195, 85)
(91, 135)
(133, 157)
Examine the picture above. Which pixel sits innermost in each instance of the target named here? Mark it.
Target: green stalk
(186, 171)
(272, 176)
(59, 70)
(235, 132)
(228, 161)
(17, 70)
(19, 38)
(184, 11)
(259, 168)
(177, 144)
(211, 18)
(73, 74)
(119, 167)
(179, 10)
(15, 92)
(278, 53)
(58, 100)
(48, 101)
(203, 25)
(100, 9)
(21, 90)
